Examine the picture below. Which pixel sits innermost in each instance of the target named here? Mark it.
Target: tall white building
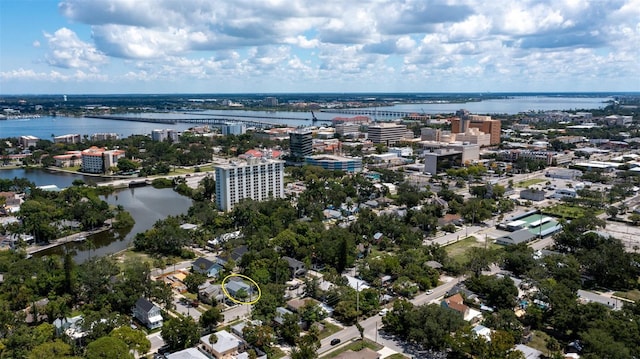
(257, 179)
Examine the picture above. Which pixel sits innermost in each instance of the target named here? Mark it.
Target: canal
(147, 205)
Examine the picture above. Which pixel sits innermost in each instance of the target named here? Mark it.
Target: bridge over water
(376, 113)
(214, 121)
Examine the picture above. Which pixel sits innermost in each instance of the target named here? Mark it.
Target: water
(147, 205)
(509, 106)
(43, 177)
(46, 127)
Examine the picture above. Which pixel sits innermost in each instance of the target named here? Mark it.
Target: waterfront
(147, 205)
(45, 127)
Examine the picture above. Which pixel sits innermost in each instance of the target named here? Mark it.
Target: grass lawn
(530, 182)
(566, 211)
(355, 346)
(458, 251)
(130, 255)
(328, 329)
(633, 295)
(538, 341)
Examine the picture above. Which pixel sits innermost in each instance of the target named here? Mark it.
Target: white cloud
(68, 51)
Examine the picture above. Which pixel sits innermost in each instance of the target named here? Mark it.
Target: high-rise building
(233, 128)
(99, 160)
(483, 123)
(387, 133)
(257, 179)
(300, 144)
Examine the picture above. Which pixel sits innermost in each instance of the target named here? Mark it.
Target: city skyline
(245, 46)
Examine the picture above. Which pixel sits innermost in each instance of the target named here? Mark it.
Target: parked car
(335, 341)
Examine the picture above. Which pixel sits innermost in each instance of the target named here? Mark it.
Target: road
(372, 324)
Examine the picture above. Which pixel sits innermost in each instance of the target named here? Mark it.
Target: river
(147, 205)
(46, 127)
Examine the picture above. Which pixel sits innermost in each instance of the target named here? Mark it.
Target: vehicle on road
(335, 341)
(429, 291)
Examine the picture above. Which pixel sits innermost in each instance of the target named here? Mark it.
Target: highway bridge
(214, 121)
(376, 114)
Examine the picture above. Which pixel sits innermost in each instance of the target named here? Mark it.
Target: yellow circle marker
(231, 298)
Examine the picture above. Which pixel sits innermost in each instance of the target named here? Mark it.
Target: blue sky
(271, 46)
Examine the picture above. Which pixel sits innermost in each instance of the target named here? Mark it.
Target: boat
(80, 239)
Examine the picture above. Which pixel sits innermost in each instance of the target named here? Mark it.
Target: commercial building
(475, 136)
(332, 162)
(71, 138)
(441, 160)
(257, 179)
(483, 123)
(99, 160)
(388, 133)
(300, 144)
(233, 128)
(69, 159)
(28, 141)
(165, 135)
(105, 136)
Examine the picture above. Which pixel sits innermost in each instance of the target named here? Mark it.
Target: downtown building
(300, 144)
(257, 179)
(388, 133)
(485, 124)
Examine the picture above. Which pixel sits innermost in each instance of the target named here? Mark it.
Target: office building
(28, 141)
(300, 144)
(233, 128)
(99, 160)
(270, 101)
(485, 124)
(72, 138)
(387, 133)
(332, 162)
(165, 135)
(257, 179)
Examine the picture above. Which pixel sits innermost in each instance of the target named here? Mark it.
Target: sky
(311, 46)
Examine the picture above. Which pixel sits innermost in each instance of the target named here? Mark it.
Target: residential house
(297, 268)
(281, 313)
(147, 313)
(189, 353)
(456, 302)
(224, 346)
(70, 327)
(210, 293)
(529, 352)
(233, 287)
(235, 255)
(206, 267)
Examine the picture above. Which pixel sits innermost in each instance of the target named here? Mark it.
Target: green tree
(108, 348)
(194, 280)
(210, 319)
(135, 340)
(180, 333)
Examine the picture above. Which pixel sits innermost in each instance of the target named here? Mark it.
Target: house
(482, 331)
(295, 304)
(147, 313)
(224, 346)
(235, 286)
(71, 327)
(235, 255)
(281, 312)
(189, 353)
(364, 353)
(297, 268)
(355, 283)
(529, 352)
(455, 302)
(210, 293)
(206, 267)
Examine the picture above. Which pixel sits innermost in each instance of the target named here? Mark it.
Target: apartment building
(257, 179)
(99, 160)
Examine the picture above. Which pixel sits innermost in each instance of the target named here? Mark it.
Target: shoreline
(33, 249)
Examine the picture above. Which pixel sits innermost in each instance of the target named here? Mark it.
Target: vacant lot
(530, 182)
(458, 251)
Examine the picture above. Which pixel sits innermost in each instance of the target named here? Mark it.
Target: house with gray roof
(147, 313)
(225, 345)
(206, 267)
(297, 268)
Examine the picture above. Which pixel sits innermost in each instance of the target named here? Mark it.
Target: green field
(458, 251)
(566, 211)
(530, 182)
